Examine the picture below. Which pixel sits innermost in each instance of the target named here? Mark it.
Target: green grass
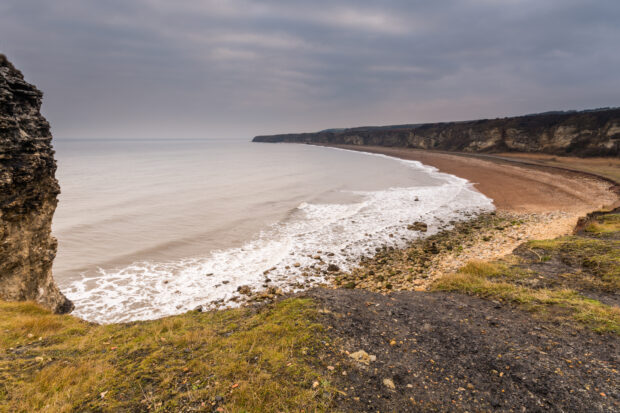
(484, 269)
(598, 256)
(598, 316)
(254, 361)
(605, 225)
(594, 262)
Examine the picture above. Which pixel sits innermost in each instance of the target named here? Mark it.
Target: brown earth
(452, 352)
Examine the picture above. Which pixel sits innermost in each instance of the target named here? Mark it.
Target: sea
(148, 229)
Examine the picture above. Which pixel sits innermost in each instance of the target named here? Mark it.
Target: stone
(333, 268)
(389, 384)
(245, 290)
(418, 226)
(362, 357)
(432, 248)
(28, 195)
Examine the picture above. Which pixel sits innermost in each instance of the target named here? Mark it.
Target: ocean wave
(341, 232)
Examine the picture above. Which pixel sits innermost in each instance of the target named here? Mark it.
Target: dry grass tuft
(598, 316)
(594, 262)
(238, 360)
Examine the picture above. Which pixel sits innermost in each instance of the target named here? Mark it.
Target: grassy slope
(255, 361)
(268, 359)
(589, 264)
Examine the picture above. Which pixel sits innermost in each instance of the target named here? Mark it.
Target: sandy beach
(515, 187)
(546, 202)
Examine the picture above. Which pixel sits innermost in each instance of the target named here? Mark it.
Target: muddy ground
(452, 352)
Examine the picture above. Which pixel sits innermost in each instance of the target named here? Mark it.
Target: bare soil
(452, 352)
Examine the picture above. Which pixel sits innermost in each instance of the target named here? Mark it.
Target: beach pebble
(245, 290)
(362, 357)
(333, 268)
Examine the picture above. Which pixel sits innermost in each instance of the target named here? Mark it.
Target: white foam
(148, 290)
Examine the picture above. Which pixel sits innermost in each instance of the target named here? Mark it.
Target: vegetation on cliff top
(575, 276)
(272, 358)
(252, 360)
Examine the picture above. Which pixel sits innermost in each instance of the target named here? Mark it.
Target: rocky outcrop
(28, 195)
(587, 133)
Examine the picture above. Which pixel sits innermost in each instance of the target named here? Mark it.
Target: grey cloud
(211, 68)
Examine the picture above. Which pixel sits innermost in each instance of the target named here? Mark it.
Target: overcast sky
(238, 68)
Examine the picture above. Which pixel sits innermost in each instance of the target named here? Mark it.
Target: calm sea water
(152, 228)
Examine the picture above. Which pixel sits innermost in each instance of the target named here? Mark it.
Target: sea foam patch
(342, 232)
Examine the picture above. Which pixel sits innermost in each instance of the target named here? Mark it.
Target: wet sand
(548, 201)
(515, 187)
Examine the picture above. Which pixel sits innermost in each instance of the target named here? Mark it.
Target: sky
(194, 69)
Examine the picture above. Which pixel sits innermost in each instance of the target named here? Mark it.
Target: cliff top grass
(574, 277)
(605, 225)
(559, 303)
(233, 360)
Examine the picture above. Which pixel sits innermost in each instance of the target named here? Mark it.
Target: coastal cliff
(587, 133)
(28, 195)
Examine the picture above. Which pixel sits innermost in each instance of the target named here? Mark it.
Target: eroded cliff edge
(28, 195)
(587, 133)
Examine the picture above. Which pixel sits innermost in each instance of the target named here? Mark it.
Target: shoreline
(473, 238)
(480, 241)
(533, 202)
(567, 196)
(538, 330)
(491, 175)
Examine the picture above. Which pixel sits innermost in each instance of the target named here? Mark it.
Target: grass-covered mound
(233, 360)
(576, 276)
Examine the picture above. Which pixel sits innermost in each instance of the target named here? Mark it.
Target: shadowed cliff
(28, 195)
(587, 133)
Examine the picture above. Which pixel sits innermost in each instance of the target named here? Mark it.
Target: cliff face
(28, 195)
(589, 133)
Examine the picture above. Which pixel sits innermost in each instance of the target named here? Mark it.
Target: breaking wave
(340, 233)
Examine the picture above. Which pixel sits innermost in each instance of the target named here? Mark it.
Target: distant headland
(585, 133)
